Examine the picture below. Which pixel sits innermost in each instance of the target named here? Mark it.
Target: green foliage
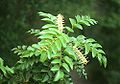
(16, 17)
(51, 59)
(4, 70)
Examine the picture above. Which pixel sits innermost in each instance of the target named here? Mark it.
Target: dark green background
(18, 16)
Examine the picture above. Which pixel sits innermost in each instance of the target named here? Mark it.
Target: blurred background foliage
(18, 16)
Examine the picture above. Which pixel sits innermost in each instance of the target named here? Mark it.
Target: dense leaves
(51, 59)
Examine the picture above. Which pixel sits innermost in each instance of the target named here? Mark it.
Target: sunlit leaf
(55, 61)
(66, 67)
(69, 61)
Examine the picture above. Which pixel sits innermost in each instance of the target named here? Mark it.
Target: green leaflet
(100, 58)
(25, 54)
(59, 75)
(46, 15)
(69, 29)
(84, 22)
(55, 30)
(49, 54)
(58, 44)
(10, 70)
(46, 36)
(48, 32)
(87, 48)
(78, 18)
(78, 26)
(94, 52)
(90, 40)
(81, 39)
(96, 45)
(93, 21)
(49, 26)
(30, 48)
(48, 20)
(46, 78)
(43, 56)
(66, 67)
(44, 70)
(69, 61)
(55, 61)
(72, 21)
(55, 68)
(69, 51)
(37, 77)
(104, 60)
(36, 46)
(37, 52)
(3, 70)
(62, 40)
(53, 48)
(57, 55)
(65, 37)
(45, 42)
(1, 62)
(100, 51)
(34, 32)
